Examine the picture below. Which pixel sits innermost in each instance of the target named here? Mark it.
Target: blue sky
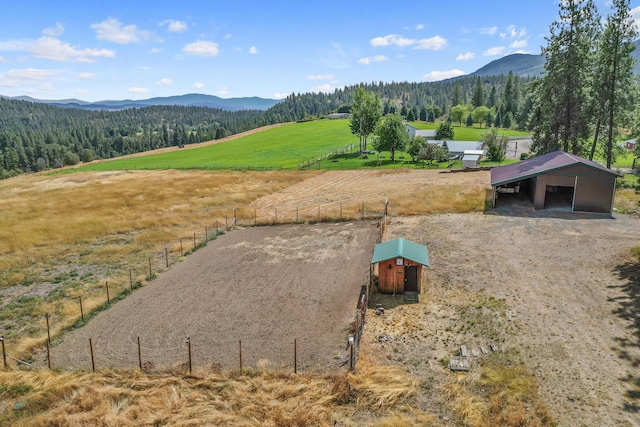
(235, 48)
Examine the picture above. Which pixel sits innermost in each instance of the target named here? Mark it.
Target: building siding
(593, 190)
(391, 276)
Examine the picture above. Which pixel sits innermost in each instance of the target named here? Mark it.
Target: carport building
(556, 179)
(400, 264)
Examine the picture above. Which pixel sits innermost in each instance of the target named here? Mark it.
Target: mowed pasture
(262, 286)
(281, 147)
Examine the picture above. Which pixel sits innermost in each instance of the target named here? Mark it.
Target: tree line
(37, 136)
(581, 104)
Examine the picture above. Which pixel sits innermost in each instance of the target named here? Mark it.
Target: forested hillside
(36, 136)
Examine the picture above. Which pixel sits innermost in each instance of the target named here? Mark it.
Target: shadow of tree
(628, 309)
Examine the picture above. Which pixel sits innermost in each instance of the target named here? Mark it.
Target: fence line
(310, 214)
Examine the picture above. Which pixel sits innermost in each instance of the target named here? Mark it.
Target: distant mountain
(525, 65)
(520, 64)
(189, 100)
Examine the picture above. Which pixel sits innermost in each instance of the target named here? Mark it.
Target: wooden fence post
(255, 217)
(48, 356)
(93, 363)
(81, 310)
(46, 316)
(106, 285)
(139, 355)
(362, 210)
(295, 356)
(194, 241)
(189, 350)
(130, 280)
(240, 355)
(206, 234)
(150, 272)
(4, 354)
(318, 220)
(166, 256)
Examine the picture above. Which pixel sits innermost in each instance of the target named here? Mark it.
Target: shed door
(411, 279)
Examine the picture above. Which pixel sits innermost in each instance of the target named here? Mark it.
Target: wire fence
(116, 290)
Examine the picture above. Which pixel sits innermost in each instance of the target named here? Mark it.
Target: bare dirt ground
(370, 186)
(265, 286)
(567, 297)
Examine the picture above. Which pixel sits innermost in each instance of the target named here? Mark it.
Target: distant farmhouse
(631, 143)
(470, 152)
(425, 133)
(335, 116)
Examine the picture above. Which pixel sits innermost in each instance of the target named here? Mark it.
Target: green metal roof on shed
(400, 248)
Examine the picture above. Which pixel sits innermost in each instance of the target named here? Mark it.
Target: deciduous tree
(365, 114)
(391, 134)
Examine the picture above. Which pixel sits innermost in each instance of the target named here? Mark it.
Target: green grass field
(284, 147)
(279, 148)
(463, 133)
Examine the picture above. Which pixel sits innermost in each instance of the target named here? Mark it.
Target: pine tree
(560, 117)
(478, 93)
(614, 74)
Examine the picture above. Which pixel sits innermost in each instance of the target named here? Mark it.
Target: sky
(114, 50)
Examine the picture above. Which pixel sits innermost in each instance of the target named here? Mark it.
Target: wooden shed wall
(391, 276)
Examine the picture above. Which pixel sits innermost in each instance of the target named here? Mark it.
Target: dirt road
(571, 297)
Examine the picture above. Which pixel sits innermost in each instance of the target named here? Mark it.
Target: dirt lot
(567, 299)
(264, 286)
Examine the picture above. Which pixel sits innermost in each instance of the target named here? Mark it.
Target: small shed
(400, 264)
(470, 160)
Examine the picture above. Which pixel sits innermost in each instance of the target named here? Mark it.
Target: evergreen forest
(36, 136)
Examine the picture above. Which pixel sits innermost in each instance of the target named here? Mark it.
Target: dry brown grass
(206, 398)
(504, 393)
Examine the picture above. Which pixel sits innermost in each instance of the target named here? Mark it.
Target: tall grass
(207, 398)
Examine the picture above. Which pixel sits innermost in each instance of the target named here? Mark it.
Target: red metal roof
(537, 165)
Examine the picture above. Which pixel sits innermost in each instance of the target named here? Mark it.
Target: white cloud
(514, 32)
(15, 45)
(635, 15)
(420, 27)
(201, 48)
(138, 90)
(434, 43)
(435, 76)
(227, 36)
(198, 85)
(223, 90)
(494, 51)
(85, 76)
(156, 50)
(164, 82)
(55, 31)
(324, 88)
(175, 26)
(392, 39)
(465, 56)
(112, 30)
(321, 77)
(55, 50)
(278, 95)
(253, 50)
(369, 60)
(489, 30)
(27, 75)
(518, 44)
